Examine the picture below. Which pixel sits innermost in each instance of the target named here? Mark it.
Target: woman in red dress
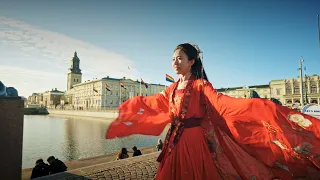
(214, 136)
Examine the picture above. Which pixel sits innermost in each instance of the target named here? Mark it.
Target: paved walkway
(137, 168)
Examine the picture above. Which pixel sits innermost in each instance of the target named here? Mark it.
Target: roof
(241, 87)
(314, 75)
(118, 79)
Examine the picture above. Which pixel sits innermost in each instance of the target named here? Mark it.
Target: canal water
(71, 138)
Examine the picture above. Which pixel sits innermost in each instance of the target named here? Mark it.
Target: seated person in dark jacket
(56, 166)
(41, 169)
(136, 151)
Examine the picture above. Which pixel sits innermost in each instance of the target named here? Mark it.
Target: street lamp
(301, 82)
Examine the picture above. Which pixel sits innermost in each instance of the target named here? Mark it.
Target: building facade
(35, 98)
(51, 98)
(262, 91)
(47, 98)
(287, 91)
(93, 94)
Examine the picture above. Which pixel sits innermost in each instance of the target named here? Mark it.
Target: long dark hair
(122, 151)
(193, 53)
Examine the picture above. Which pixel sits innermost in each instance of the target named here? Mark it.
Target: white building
(93, 94)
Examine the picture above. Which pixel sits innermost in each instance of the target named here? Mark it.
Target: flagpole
(120, 95)
(140, 87)
(318, 31)
(105, 100)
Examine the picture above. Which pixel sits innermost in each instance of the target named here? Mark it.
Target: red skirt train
(189, 160)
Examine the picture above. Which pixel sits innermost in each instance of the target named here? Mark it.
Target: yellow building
(47, 98)
(51, 98)
(35, 98)
(263, 91)
(287, 91)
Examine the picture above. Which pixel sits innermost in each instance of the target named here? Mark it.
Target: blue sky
(244, 43)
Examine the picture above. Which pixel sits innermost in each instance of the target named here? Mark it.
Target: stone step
(142, 167)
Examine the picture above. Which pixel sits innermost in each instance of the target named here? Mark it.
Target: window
(278, 91)
(74, 80)
(111, 85)
(116, 86)
(313, 89)
(111, 101)
(296, 90)
(288, 90)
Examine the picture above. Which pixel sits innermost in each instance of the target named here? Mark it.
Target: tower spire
(74, 74)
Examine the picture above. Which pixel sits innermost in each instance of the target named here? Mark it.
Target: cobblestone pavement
(138, 168)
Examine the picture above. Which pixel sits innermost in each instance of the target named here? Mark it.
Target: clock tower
(74, 74)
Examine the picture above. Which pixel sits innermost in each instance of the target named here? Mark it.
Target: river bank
(96, 114)
(80, 163)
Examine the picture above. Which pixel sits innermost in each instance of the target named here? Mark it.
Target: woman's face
(180, 62)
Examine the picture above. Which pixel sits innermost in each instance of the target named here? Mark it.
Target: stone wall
(11, 137)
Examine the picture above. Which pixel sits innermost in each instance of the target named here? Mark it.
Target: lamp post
(301, 82)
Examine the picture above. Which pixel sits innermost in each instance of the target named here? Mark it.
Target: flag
(143, 83)
(122, 85)
(108, 87)
(169, 78)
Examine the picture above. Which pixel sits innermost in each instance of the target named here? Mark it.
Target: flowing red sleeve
(259, 110)
(146, 115)
(269, 131)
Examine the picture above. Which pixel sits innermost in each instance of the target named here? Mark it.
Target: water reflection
(70, 138)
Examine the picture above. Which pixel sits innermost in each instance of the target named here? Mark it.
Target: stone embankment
(97, 114)
(135, 168)
(105, 167)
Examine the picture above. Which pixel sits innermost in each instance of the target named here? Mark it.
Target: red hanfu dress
(235, 139)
